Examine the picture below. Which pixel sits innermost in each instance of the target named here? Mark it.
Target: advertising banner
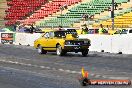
(7, 38)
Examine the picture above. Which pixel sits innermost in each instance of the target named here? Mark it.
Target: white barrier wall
(26, 38)
(95, 44)
(107, 43)
(20, 39)
(126, 44)
(110, 43)
(32, 37)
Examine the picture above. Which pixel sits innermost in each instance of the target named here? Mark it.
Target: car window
(59, 34)
(46, 35)
(51, 34)
(64, 33)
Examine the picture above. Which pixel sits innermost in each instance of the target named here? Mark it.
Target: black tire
(59, 51)
(41, 50)
(10, 42)
(85, 52)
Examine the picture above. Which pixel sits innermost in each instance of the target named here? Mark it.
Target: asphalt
(23, 67)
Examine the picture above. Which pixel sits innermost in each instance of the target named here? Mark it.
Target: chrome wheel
(59, 50)
(41, 50)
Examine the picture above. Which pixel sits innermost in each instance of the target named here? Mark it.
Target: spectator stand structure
(48, 9)
(74, 15)
(19, 10)
(32, 11)
(3, 7)
(120, 21)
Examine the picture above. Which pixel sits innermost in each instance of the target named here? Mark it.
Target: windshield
(64, 33)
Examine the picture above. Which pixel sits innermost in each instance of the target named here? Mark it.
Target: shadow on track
(73, 55)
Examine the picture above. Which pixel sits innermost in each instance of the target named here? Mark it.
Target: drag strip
(24, 61)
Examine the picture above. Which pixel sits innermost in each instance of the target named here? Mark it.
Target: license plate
(76, 47)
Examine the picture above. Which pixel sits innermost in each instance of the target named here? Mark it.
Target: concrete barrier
(30, 38)
(107, 43)
(21, 39)
(26, 38)
(110, 43)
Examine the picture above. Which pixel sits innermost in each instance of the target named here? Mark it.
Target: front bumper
(75, 48)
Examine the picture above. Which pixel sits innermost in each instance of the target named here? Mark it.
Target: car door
(44, 40)
(51, 41)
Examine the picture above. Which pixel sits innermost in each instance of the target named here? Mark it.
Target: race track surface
(23, 67)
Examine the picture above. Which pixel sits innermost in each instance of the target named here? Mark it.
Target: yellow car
(62, 42)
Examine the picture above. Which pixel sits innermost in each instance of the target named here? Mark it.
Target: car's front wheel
(41, 50)
(85, 52)
(59, 51)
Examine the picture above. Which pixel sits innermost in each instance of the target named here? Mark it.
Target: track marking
(43, 67)
(27, 71)
(62, 70)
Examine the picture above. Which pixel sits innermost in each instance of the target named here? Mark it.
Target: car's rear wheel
(41, 50)
(85, 52)
(59, 51)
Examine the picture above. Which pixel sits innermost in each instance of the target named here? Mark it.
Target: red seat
(22, 6)
(32, 5)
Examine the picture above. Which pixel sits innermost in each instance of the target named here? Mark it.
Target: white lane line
(112, 77)
(104, 76)
(68, 71)
(109, 77)
(98, 76)
(27, 71)
(73, 72)
(47, 67)
(62, 70)
(29, 65)
(118, 77)
(53, 68)
(92, 74)
(42, 66)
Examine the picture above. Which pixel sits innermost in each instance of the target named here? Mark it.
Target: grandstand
(122, 17)
(47, 13)
(19, 10)
(3, 7)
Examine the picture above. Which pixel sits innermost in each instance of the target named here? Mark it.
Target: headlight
(86, 42)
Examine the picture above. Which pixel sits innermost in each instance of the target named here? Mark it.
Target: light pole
(61, 17)
(112, 14)
(61, 8)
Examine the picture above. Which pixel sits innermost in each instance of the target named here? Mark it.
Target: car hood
(71, 37)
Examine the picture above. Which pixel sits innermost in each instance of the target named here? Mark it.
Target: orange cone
(86, 74)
